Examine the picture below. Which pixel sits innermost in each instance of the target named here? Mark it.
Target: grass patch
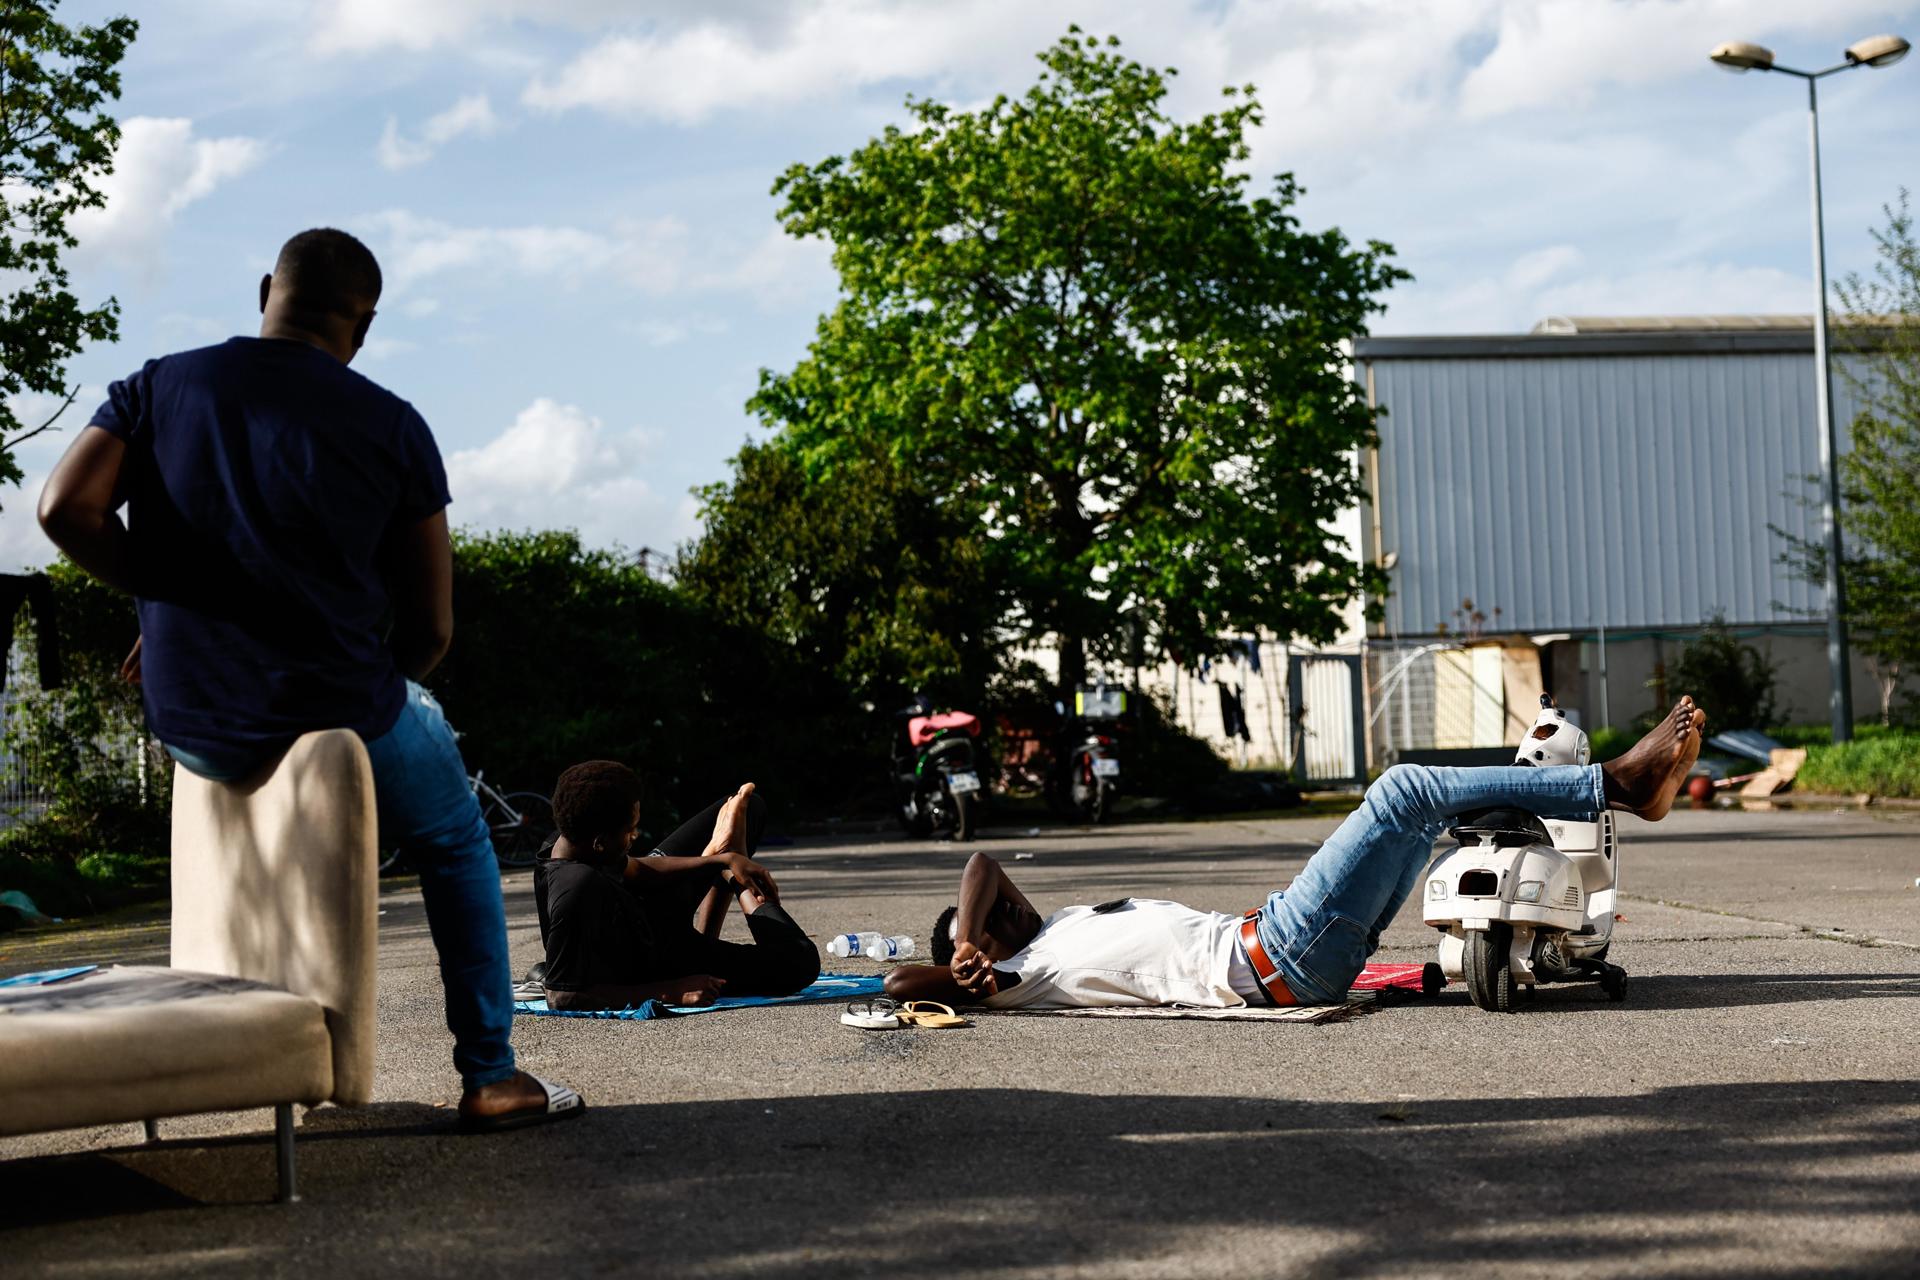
(1883, 763)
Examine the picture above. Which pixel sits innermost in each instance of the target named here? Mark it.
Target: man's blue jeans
(427, 805)
(1320, 929)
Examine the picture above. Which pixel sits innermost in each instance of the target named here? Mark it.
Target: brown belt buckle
(1278, 992)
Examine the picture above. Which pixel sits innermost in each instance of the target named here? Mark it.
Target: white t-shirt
(1147, 952)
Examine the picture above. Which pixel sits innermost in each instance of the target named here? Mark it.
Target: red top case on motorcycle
(924, 729)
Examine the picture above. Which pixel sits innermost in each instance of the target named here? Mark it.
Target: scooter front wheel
(1489, 968)
(1100, 806)
(966, 815)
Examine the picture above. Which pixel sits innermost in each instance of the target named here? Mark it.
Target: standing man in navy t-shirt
(286, 541)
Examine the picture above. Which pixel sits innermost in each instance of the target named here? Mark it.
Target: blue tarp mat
(45, 976)
(829, 986)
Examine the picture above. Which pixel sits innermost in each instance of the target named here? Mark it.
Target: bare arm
(746, 873)
(419, 569)
(79, 506)
(982, 884)
(936, 982)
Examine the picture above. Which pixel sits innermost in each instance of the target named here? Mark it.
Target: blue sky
(585, 275)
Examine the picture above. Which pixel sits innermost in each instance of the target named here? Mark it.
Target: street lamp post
(1875, 51)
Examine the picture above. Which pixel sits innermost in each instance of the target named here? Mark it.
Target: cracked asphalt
(1751, 1109)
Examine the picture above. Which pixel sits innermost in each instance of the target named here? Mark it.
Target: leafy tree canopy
(1880, 473)
(1070, 318)
(859, 572)
(55, 144)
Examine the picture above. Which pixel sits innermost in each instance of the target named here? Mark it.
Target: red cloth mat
(1376, 977)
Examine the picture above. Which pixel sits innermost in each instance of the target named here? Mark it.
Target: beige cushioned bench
(269, 1000)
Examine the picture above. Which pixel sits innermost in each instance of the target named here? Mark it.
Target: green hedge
(1885, 764)
(563, 654)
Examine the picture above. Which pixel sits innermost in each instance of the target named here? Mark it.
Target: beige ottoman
(270, 1000)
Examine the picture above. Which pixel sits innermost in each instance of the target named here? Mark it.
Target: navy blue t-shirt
(262, 478)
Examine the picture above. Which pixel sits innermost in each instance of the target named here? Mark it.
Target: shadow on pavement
(1695, 1180)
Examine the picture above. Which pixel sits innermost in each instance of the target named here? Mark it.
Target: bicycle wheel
(520, 827)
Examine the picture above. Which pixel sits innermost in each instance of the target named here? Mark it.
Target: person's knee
(1401, 789)
(1401, 779)
(805, 967)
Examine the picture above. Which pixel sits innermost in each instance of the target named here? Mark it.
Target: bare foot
(1645, 780)
(516, 1093)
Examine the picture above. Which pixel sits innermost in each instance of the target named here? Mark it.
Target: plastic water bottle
(843, 945)
(898, 947)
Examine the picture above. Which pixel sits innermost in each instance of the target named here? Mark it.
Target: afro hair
(942, 940)
(595, 798)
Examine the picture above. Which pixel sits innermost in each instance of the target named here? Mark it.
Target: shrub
(96, 832)
(1733, 681)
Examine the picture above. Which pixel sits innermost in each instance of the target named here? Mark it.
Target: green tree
(1880, 472)
(1068, 315)
(858, 572)
(55, 144)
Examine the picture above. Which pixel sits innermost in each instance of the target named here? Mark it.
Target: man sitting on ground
(621, 929)
(1310, 940)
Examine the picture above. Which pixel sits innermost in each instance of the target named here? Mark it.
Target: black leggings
(779, 961)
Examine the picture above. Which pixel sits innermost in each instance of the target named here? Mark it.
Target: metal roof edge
(1524, 345)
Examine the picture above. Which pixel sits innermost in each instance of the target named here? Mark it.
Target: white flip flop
(871, 1015)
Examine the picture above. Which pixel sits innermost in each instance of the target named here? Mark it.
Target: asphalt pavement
(1751, 1109)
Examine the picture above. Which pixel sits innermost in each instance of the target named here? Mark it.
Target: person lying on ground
(620, 929)
(1309, 940)
(286, 547)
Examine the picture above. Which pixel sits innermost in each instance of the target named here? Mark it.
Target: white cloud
(777, 270)
(1562, 54)
(667, 333)
(645, 254)
(369, 26)
(361, 26)
(1560, 281)
(179, 326)
(655, 256)
(160, 169)
(824, 50)
(377, 349)
(472, 114)
(558, 467)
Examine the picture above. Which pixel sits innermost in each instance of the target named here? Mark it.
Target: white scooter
(1525, 900)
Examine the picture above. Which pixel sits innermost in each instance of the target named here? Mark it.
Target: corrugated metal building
(1591, 477)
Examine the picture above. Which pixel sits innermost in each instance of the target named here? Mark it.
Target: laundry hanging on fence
(33, 591)
(1233, 713)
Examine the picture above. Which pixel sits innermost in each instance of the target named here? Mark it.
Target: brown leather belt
(1270, 980)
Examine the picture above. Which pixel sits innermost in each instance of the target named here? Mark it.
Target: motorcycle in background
(937, 771)
(1086, 776)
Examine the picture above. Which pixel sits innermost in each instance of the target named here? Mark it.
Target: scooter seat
(924, 729)
(1506, 826)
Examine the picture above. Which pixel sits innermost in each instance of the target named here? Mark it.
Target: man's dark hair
(328, 270)
(595, 798)
(942, 941)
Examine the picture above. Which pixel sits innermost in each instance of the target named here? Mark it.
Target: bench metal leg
(283, 1143)
(153, 1129)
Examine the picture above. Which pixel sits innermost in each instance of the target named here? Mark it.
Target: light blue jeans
(426, 804)
(1320, 929)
